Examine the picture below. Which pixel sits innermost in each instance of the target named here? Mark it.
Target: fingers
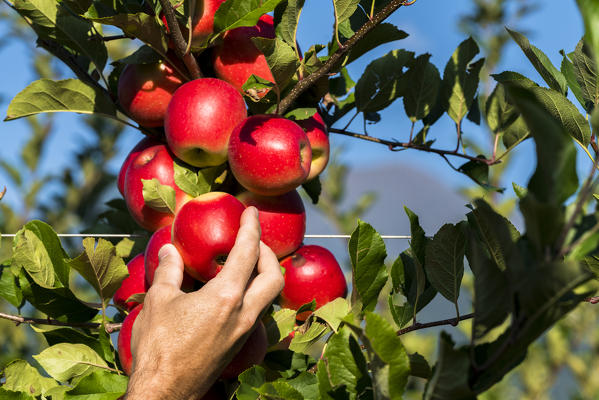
(243, 257)
(267, 285)
(170, 268)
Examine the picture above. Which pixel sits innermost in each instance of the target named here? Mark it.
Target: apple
(203, 23)
(161, 237)
(155, 161)
(139, 147)
(144, 91)
(282, 220)
(200, 118)
(269, 155)
(311, 273)
(252, 353)
(316, 130)
(204, 232)
(124, 341)
(237, 58)
(134, 283)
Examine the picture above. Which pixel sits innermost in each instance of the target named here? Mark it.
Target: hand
(182, 341)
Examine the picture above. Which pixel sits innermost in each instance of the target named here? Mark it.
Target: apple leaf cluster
(524, 282)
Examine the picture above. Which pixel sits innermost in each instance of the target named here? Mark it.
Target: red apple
(316, 130)
(155, 161)
(161, 237)
(144, 91)
(237, 58)
(200, 119)
(311, 273)
(204, 232)
(203, 22)
(124, 341)
(134, 283)
(139, 147)
(282, 220)
(269, 155)
(252, 353)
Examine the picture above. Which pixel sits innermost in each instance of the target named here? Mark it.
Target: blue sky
(432, 26)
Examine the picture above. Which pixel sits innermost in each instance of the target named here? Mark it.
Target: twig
(450, 321)
(2, 193)
(179, 41)
(111, 38)
(110, 327)
(395, 145)
(334, 59)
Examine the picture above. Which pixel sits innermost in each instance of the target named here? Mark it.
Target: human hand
(182, 341)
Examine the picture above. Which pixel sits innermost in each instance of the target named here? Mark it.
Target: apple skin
(317, 133)
(237, 58)
(252, 353)
(155, 161)
(139, 147)
(161, 237)
(200, 118)
(134, 283)
(269, 155)
(311, 273)
(124, 341)
(203, 23)
(282, 220)
(144, 91)
(204, 232)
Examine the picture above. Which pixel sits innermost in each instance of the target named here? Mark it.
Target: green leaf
(65, 361)
(569, 72)
(235, 13)
(55, 335)
(186, 178)
(344, 9)
(499, 113)
(551, 75)
(279, 325)
(419, 366)
(422, 83)
(418, 239)
(380, 34)
(479, 172)
(22, 377)
(280, 57)
(100, 385)
(9, 290)
(589, 10)
(143, 55)
(585, 70)
(101, 267)
(445, 261)
(300, 114)
(416, 288)
(48, 96)
(30, 254)
(159, 197)
(379, 85)
(515, 133)
(286, 18)
(10, 395)
(251, 378)
(313, 189)
(124, 247)
(367, 253)
(255, 87)
(333, 312)
(210, 177)
(303, 342)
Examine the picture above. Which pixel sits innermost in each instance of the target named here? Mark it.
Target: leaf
(235, 13)
(159, 197)
(551, 75)
(445, 261)
(499, 113)
(143, 55)
(585, 70)
(124, 247)
(422, 86)
(379, 85)
(255, 87)
(280, 57)
(22, 377)
(101, 267)
(303, 342)
(367, 253)
(300, 114)
(186, 178)
(344, 9)
(69, 335)
(286, 18)
(380, 34)
(30, 254)
(65, 361)
(569, 72)
(418, 239)
(279, 325)
(419, 366)
(478, 171)
(100, 385)
(333, 312)
(48, 96)
(313, 189)
(10, 395)
(9, 290)
(589, 10)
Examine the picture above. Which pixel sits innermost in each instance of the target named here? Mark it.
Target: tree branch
(179, 41)
(450, 321)
(311, 79)
(395, 145)
(110, 327)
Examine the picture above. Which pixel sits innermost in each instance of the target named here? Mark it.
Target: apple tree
(524, 282)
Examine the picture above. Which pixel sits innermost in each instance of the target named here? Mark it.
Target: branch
(179, 41)
(110, 327)
(394, 145)
(2, 193)
(311, 79)
(418, 326)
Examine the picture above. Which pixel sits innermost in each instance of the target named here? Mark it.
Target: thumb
(170, 268)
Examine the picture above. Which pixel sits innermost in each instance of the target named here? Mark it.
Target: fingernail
(255, 211)
(163, 252)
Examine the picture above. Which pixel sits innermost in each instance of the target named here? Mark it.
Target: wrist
(149, 385)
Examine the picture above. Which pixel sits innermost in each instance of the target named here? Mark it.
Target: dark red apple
(311, 273)
(155, 161)
(124, 341)
(144, 91)
(282, 220)
(203, 22)
(269, 155)
(134, 283)
(252, 353)
(204, 232)
(139, 147)
(237, 58)
(161, 237)
(200, 119)
(316, 130)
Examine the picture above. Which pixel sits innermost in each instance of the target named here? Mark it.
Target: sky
(432, 26)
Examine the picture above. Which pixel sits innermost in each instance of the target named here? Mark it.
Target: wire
(125, 235)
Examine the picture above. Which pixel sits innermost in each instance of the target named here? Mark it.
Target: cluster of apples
(267, 157)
